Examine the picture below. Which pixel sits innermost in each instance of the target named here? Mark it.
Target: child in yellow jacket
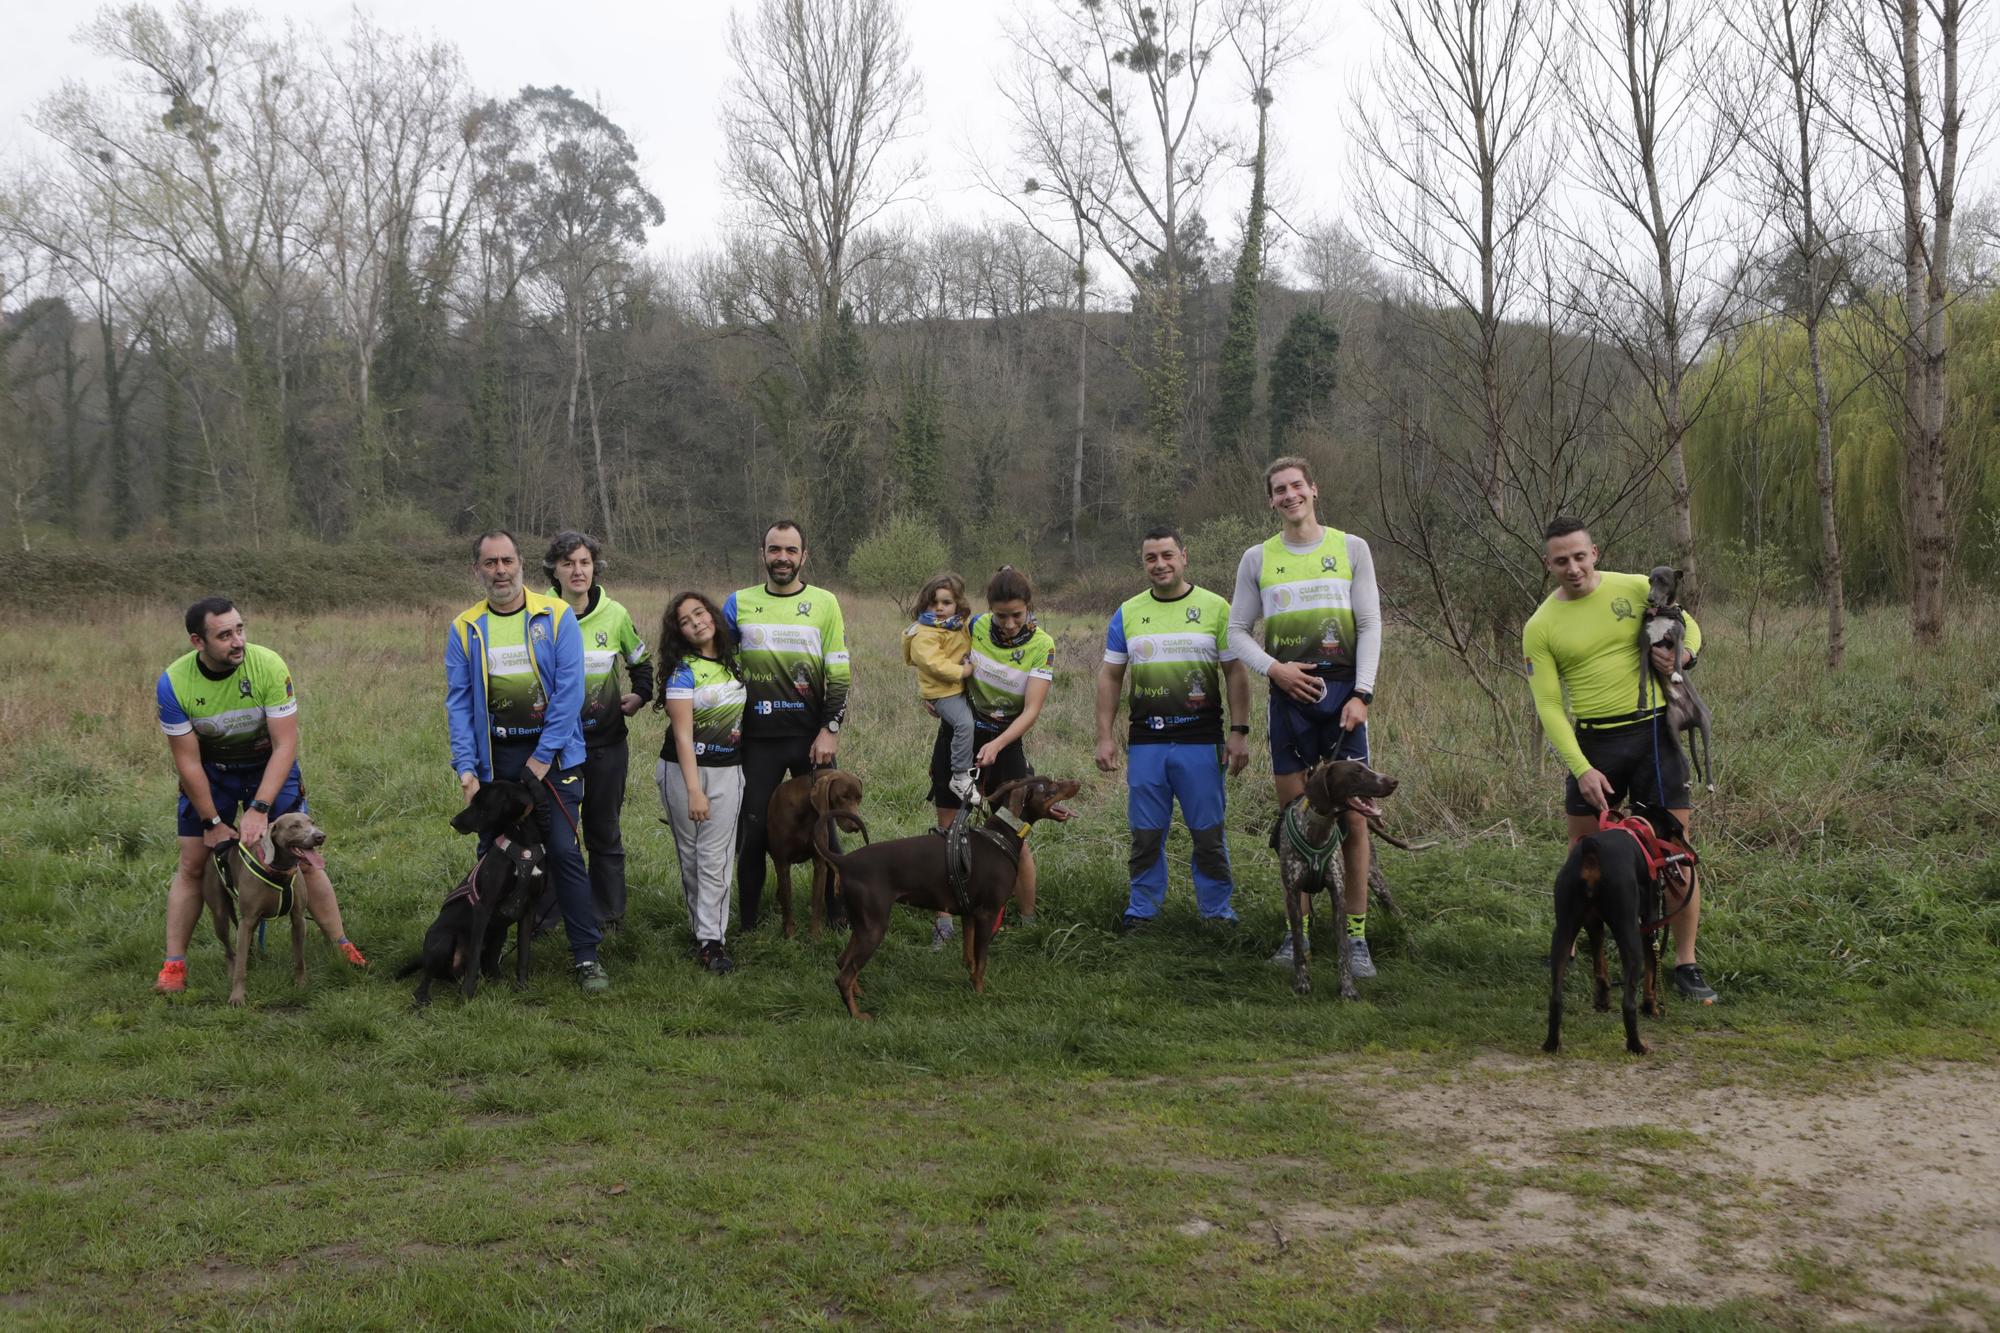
(938, 644)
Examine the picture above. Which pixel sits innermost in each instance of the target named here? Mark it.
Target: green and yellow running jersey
(718, 699)
(998, 686)
(514, 695)
(229, 716)
(1173, 653)
(794, 657)
(1308, 603)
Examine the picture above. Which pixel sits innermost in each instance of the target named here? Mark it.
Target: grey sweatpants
(956, 710)
(707, 851)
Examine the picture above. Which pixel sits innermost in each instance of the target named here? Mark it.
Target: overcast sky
(660, 69)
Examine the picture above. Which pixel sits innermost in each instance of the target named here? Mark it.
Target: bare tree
(1065, 165)
(1162, 155)
(1902, 106)
(1459, 160)
(392, 164)
(823, 97)
(1796, 181)
(1655, 149)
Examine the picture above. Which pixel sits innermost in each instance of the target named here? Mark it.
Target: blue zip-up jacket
(561, 672)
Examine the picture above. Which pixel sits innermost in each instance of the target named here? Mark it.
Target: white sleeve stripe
(177, 728)
(285, 709)
(678, 692)
(1115, 658)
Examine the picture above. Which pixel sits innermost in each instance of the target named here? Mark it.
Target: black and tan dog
(917, 871)
(243, 888)
(792, 820)
(1603, 885)
(502, 889)
(1309, 845)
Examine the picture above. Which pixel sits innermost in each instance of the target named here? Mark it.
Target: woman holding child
(1012, 666)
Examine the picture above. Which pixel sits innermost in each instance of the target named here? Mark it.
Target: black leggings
(767, 761)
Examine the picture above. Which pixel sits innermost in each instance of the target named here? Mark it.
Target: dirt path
(1879, 1205)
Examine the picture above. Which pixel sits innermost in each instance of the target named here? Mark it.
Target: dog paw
(1349, 993)
(517, 985)
(1302, 985)
(1553, 1045)
(236, 1001)
(1638, 1047)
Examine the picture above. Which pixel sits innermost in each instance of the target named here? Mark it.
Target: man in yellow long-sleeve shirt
(1584, 639)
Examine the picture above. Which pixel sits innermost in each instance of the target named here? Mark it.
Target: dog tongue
(1367, 808)
(311, 858)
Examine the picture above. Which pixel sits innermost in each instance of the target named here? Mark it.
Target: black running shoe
(1132, 925)
(1688, 981)
(715, 959)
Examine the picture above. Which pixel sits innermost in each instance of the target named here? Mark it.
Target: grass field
(1121, 1133)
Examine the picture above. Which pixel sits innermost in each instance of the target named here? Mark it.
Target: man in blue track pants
(1173, 640)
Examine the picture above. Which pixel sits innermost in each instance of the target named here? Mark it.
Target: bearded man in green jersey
(792, 644)
(232, 721)
(572, 564)
(1584, 639)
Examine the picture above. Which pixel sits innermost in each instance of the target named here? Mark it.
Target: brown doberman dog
(243, 888)
(797, 807)
(917, 871)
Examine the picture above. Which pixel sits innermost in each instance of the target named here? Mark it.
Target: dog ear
(1005, 793)
(822, 783)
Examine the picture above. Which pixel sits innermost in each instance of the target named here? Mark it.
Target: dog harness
(1317, 859)
(278, 883)
(1667, 863)
(523, 856)
(958, 850)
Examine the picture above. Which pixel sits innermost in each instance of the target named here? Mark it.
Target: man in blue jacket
(513, 697)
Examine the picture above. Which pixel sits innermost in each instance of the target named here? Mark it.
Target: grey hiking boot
(1688, 981)
(1364, 966)
(1283, 957)
(942, 931)
(592, 979)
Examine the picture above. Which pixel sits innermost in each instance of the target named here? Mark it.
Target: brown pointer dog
(260, 889)
(913, 871)
(1332, 787)
(797, 807)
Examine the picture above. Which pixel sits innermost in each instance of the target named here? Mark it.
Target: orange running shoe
(352, 954)
(173, 978)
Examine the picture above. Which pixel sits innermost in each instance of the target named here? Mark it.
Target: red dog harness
(1667, 863)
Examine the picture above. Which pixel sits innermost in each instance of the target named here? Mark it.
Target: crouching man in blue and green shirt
(1174, 641)
(513, 698)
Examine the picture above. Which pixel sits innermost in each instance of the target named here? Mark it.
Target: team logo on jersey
(1194, 615)
(538, 633)
(243, 688)
(1283, 597)
(1016, 656)
(753, 636)
(1529, 663)
(1621, 609)
(603, 639)
(1143, 650)
(288, 687)
(1327, 564)
(805, 608)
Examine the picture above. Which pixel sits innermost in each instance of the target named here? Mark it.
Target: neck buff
(1018, 637)
(931, 618)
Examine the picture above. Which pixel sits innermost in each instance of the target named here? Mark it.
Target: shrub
(899, 556)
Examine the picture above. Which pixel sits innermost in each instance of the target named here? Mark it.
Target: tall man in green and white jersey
(232, 722)
(1314, 589)
(792, 643)
(572, 564)
(1585, 639)
(1174, 640)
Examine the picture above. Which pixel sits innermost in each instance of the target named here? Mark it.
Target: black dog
(1665, 626)
(1604, 884)
(466, 940)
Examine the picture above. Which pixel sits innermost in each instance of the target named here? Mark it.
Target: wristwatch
(833, 727)
(261, 807)
(1365, 696)
(1240, 729)
(213, 821)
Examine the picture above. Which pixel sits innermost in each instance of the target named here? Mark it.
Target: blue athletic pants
(1155, 777)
